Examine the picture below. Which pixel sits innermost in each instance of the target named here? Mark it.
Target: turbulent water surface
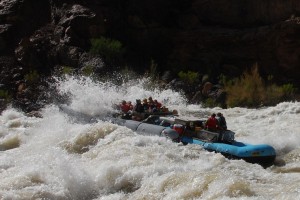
(73, 154)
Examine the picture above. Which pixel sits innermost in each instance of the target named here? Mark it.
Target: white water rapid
(75, 155)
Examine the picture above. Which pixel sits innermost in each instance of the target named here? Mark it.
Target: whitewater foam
(60, 156)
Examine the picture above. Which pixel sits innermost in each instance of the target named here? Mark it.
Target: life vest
(125, 108)
(139, 108)
(222, 122)
(179, 128)
(212, 123)
(130, 106)
(157, 104)
(146, 106)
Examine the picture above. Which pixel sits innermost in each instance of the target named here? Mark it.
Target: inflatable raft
(148, 129)
(190, 131)
(262, 154)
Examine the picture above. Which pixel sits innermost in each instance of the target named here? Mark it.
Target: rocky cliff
(210, 37)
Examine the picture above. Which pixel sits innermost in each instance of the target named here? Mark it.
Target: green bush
(32, 76)
(209, 102)
(87, 70)
(5, 95)
(109, 49)
(188, 77)
(67, 70)
(250, 90)
(288, 89)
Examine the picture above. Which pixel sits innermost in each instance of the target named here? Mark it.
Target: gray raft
(148, 129)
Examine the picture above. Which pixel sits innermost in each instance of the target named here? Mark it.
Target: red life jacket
(179, 128)
(130, 106)
(212, 123)
(158, 104)
(125, 108)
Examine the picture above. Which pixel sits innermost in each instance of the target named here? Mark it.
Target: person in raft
(222, 121)
(212, 123)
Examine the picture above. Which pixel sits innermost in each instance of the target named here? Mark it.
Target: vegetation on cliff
(109, 49)
(250, 90)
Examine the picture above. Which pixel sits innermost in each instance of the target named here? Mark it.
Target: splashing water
(57, 157)
(98, 99)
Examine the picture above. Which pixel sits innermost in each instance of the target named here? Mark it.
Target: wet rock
(167, 76)
(36, 114)
(22, 18)
(207, 87)
(197, 98)
(69, 55)
(93, 61)
(76, 20)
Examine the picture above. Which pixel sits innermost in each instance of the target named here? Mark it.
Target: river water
(73, 154)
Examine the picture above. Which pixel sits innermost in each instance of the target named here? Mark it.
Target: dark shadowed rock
(10, 72)
(167, 76)
(69, 55)
(22, 18)
(76, 20)
(207, 88)
(209, 37)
